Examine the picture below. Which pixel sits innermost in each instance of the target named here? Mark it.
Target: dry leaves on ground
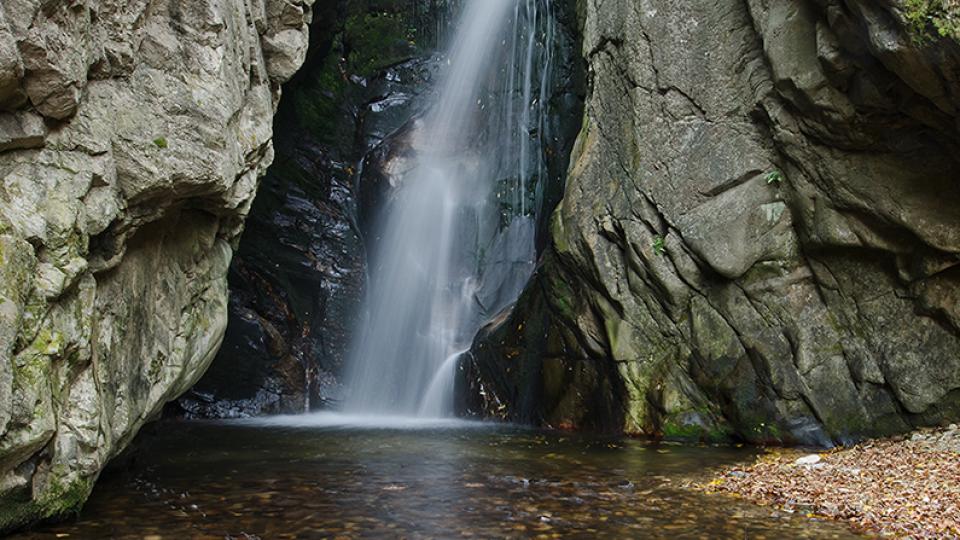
(903, 488)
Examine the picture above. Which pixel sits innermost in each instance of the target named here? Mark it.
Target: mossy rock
(377, 40)
(931, 18)
(688, 428)
(62, 499)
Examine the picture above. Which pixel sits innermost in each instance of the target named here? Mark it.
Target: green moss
(562, 297)
(765, 432)
(32, 367)
(32, 371)
(317, 101)
(68, 499)
(685, 432)
(156, 364)
(928, 19)
(161, 142)
(62, 498)
(558, 232)
(48, 342)
(375, 40)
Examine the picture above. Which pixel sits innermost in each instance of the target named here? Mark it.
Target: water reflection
(236, 480)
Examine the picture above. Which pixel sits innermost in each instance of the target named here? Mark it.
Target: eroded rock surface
(132, 138)
(760, 236)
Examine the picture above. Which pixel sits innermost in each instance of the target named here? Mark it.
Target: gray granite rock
(760, 235)
(133, 137)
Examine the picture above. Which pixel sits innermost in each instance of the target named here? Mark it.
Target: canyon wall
(760, 234)
(132, 139)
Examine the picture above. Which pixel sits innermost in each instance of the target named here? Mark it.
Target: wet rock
(758, 239)
(811, 459)
(299, 273)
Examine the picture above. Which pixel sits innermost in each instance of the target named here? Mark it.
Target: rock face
(760, 235)
(132, 138)
(299, 274)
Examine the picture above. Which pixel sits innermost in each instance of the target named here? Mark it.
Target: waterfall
(457, 237)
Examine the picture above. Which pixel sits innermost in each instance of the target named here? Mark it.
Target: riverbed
(327, 476)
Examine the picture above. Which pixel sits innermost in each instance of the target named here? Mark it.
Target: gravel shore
(907, 487)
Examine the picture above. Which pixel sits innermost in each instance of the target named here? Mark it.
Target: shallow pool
(327, 476)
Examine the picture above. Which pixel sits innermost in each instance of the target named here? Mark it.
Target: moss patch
(66, 497)
(931, 18)
(375, 40)
(690, 432)
(62, 499)
(317, 102)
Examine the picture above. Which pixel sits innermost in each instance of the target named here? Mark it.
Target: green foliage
(767, 432)
(161, 142)
(318, 101)
(774, 177)
(374, 35)
(659, 245)
(928, 19)
(376, 40)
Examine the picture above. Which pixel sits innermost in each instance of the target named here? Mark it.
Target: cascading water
(457, 240)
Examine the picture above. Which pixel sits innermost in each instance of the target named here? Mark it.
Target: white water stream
(457, 239)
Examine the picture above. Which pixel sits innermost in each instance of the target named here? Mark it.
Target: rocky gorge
(756, 235)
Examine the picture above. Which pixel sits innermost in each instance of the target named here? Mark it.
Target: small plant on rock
(160, 142)
(930, 18)
(774, 177)
(659, 245)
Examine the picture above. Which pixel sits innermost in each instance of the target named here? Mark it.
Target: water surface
(320, 477)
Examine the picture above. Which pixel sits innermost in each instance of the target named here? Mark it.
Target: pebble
(811, 459)
(947, 440)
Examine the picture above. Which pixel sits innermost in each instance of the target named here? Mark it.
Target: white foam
(362, 421)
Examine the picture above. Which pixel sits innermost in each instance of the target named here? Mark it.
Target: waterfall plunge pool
(329, 476)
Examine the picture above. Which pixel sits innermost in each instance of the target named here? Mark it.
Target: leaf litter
(901, 487)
